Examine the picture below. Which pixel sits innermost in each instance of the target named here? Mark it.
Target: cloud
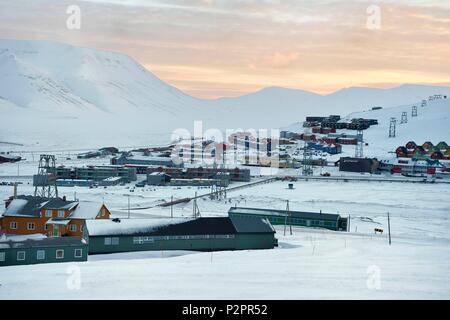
(202, 46)
(283, 60)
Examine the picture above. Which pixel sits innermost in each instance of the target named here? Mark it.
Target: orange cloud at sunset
(211, 49)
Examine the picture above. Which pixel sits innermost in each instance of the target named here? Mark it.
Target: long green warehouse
(295, 218)
(199, 234)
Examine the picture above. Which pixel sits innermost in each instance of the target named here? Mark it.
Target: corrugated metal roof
(165, 227)
(252, 225)
(104, 227)
(274, 212)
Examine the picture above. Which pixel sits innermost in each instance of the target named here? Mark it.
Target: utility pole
(389, 229)
(285, 221)
(392, 126)
(404, 117)
(128, 206)
(414, 111)
(171, 207)
(359, 153)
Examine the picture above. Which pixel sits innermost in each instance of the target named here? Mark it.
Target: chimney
(64, 198)
(15, 190)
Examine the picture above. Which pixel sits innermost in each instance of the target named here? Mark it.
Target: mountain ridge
(45, 83)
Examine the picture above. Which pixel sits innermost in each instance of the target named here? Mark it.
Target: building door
(55, 230)
(308, 223)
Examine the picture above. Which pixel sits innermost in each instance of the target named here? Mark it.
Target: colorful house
(442, 146)
(427, 145)
(411, 145)
(54, 217)
(437, 155)
(401, 152)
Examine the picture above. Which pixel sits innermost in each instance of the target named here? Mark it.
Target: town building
(295, 218)
(199, 234)
(44, 250)
(359, 165)
(95, 173)
(140, 159)
(24, 215)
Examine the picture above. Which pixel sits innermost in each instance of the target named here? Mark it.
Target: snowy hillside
(49, 76)
(279, 106)
(90, 97)
(431, 124)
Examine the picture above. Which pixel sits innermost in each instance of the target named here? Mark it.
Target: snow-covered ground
(107, 99)
(308, 264)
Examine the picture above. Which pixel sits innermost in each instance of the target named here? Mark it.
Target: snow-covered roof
(104, 227)
(283, 213)
(30, 206)
(86, 210)
(63, 222)
(15, 206)
(112, 179)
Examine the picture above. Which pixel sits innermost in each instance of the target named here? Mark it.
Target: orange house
(53, 217)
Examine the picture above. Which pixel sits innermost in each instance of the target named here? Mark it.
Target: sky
(223, 48)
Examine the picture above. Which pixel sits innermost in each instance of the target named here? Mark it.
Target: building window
(61, 214)
(20, 255)
(2, 256)
(81, 228)
(30, 226)
(73, 228)
(60, 254)
(78, 253)
(13, 225)
(40, 255)
(48, 213)
(115, 241)
(107, 241)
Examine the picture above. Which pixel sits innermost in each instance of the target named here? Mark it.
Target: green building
(45, 250)
(200, 234)
(294, 218)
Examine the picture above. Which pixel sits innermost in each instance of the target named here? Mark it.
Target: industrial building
(199, 234)
(45, 250)
(360, 165)
(333, 122)
(138, 159)
(295, 218)
(95, 173)
(236, 174)
(74, 183)
(333, 148)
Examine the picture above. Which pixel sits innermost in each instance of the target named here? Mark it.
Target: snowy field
(310, 264)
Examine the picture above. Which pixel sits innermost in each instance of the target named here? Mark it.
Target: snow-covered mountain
(89, 97)
(50, 76)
